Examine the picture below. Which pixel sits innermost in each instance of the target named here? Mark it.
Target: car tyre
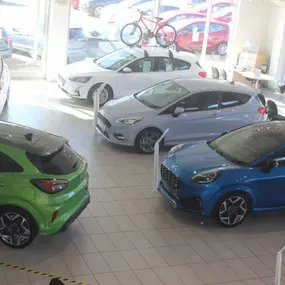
(222, 48)
(146, 139)
(18, 229)
(97, 11)
(232, 209)
(105, 96)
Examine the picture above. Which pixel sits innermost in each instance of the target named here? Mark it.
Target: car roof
(201, 85)
(156, 51)
(185, 22)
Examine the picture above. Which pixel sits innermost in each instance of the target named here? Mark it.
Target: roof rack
(146, 54)
(170, 54)
(232, 82)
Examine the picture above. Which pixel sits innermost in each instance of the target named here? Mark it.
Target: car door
(236, 110)
(138, 77)
(270, 187)
(200, 121)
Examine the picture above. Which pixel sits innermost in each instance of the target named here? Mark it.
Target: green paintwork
(17, 190)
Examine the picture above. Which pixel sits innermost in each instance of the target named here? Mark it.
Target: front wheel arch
(97, 85)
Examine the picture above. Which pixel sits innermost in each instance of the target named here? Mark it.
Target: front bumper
(114, 132)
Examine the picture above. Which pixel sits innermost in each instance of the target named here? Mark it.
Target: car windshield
(162, 94)
(115, 60)
(248, 144)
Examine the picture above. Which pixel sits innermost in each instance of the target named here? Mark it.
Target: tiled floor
(129, 235)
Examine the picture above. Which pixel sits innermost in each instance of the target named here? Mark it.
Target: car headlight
(206, 177)
(81, 79)
(129, 121)
(176, 148)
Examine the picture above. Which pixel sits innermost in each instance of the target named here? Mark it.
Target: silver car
(194, 110)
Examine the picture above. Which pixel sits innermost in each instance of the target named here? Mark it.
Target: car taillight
(50, 186)
(202, 74)
(8, 40)
(261, 110)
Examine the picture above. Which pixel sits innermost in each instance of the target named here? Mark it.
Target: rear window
(230, 99)
(63, 162)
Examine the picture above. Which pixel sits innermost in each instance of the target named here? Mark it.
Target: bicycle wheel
(131, 34)
(165, 36)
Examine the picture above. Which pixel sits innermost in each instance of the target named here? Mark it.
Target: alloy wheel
(103, 97)
(14, 229)
(233, 210)
(147, 140)
(222, 49)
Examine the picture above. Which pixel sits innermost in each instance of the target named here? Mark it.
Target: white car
(4, 84)
(126, 71)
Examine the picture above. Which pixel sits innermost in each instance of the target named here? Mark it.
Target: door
(201, 120)
(236, 110)
(139, 77)
(271, 186)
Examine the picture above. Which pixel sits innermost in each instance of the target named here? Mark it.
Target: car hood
(81, 68)
(193, 159)
(125, 107)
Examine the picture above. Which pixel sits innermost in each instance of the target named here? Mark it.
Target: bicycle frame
(143, 19)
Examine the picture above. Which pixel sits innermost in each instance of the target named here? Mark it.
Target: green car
(43, 184)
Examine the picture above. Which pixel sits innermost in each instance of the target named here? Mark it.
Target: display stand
(156, 163)
(96, 107)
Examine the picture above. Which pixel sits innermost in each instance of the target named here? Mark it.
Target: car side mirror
(177, 112)
(268, 165)
(126, 70)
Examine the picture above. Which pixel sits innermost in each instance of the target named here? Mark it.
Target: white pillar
(57, 38)
(155, 13)
(206, 31)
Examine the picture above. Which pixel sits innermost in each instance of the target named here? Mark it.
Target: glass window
(162, 94)
(7, 164)
(230, 99)
(201, 102)
(216, 28)
(241, 145)
(75, 33)
(115, 60)
(142, 65)
(168, 64)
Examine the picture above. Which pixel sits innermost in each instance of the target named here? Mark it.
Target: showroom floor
(128, 235)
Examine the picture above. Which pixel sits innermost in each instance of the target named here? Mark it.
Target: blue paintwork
(267, 190)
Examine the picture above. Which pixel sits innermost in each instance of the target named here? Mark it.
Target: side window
(142, 65)
(7, 164)
(200, 27)
(230, 99)
(168, 64)
(216, 28)
(205, 101)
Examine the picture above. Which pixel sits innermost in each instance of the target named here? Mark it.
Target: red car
(217, 5)
(224, 15)
(190, 35)
(75, 4)
(173, 16)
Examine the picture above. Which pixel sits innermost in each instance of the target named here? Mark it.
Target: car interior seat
(272, 112)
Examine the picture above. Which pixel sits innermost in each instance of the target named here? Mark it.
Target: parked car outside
(4, 36)
(194, 110)
(216, 6)
(126, 71)
(5, 80)
(224, 15)
(173, 16)
(94, 7)
(75, 4)
(24, 42)
(44, 184)
(229, 177)
(190, 35)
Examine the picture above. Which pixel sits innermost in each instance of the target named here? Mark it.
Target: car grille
(170, 179)
(104, 120)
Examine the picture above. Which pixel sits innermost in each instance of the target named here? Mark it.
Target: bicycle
(131, 33)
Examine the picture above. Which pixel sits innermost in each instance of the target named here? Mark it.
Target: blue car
(239, 172)
(93, 7)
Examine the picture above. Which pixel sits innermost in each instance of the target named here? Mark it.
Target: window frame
(145, 58)
(21, 169)
(157, 58)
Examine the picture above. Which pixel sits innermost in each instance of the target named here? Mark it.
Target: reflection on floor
(129, 235)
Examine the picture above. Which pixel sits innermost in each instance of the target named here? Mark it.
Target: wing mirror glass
(127, 70)
(177, 112)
